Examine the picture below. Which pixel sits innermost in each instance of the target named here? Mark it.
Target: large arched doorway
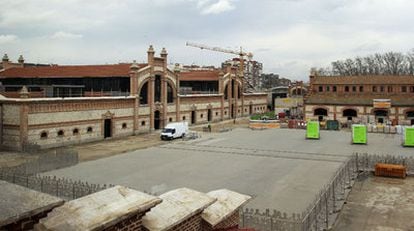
(381, 115)
(321, 113)
(157, 120)
(410, 116)
(349, 113)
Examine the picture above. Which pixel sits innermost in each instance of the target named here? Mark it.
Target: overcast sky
(287, 36)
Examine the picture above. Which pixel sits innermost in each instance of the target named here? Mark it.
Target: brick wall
(132, 223)
(25, 223)
(231, 223)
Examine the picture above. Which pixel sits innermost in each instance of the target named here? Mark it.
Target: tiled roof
(397, 100)
(365, 79)
(79, 71)
(200, 75)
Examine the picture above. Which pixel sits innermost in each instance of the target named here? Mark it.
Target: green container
(409, 137)
(359, 134)
(332, 125)
(312, 130)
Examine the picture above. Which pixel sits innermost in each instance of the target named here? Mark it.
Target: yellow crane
(240, 53)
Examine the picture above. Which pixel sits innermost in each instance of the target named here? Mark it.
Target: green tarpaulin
(359, 134)
(312, 130)
(409, 136)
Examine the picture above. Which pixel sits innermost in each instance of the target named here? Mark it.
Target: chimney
(21, 60)
(5, 61)
(164, 55)
(150, 53)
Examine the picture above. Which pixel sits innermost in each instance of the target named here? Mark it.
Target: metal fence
(320, 214)
(61, 187)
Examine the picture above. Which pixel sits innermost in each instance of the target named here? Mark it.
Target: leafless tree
(390, 63)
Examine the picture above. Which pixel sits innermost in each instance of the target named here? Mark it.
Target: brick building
(51, 106)
(366, 99)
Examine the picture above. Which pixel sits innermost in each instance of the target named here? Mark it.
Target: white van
(174, 130)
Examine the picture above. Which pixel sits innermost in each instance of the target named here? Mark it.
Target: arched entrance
(320, 112)
(157, 120)
(349, 113)
(410, 116)
(250, 109)
(381, 116)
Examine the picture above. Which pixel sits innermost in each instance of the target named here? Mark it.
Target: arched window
(124, 125)
(143, 94)
(43, 135)
(170, 94)
(226, 89)
(75, 131)
(60, 133)
(89, 130)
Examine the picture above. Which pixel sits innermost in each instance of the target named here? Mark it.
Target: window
(389, 88)
(320, 89)
(124, 125)
(334, 88)
(411, 88)
(143, 123)
(75, 132)
(346, 88)
(353, 88)
(89, 130)
(43, 135)
(404, 89)
(60, 133)
(374, 88)
(328, 88)
(170, 119)
(225, 112)
(382, 89)
(183, 117)
(201, 116)
(245, 110)
(216, 113)
(361, 88)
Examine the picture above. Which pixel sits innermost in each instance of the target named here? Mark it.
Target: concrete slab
(278, 167)
(378, 203)
(18, 203)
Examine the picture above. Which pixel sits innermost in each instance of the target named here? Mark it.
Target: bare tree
(390, 63)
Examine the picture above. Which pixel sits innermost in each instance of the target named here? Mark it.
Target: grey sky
(287, 36)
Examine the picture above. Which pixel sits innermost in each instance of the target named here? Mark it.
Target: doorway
(250, 109)
(193, 117)
(157, 121)
(107, 128)
(232, 111)
(209, 115)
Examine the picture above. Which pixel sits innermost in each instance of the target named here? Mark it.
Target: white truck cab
(174, 130)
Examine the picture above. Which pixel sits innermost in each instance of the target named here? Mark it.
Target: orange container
(390, 170)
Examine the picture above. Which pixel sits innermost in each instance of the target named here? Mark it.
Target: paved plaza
(278, 167)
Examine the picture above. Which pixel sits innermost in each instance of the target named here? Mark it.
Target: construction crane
(240, 53)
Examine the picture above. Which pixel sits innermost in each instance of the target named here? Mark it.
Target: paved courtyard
(279, 167)
(378, 203)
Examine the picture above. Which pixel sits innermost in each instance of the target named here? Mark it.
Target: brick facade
(351, 98)
(54, 122)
